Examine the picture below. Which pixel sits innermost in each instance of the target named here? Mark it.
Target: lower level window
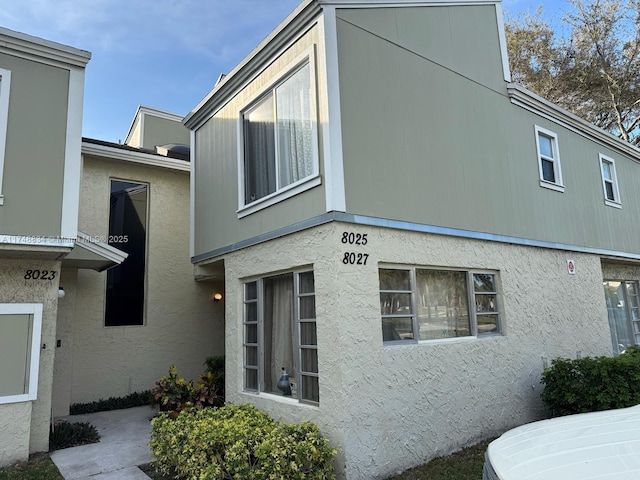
(280, 333)
(428, 304)
(623, 310)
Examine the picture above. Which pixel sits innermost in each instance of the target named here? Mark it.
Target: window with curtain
(429, 304)
(280, 332)
(278, 137)
(623, 310)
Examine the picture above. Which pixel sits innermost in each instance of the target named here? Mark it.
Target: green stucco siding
(426, 141)
(217, 171)
(35, 148)
(162, 131)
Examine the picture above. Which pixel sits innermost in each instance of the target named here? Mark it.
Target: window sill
(441, 341)
(552, 186)
(613, 204)
(280, 399)
(279, 196)
(26, 397)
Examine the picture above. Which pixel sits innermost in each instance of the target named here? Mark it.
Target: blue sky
(165, 54)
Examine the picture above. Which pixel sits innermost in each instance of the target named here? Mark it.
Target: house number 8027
(352, 258)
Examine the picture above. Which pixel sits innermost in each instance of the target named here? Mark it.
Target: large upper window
(426, 304)
(127, 232)
(548, 159)
(278, 137)
(5, 82)
(609, 181)
(623, 309)
(280, 333)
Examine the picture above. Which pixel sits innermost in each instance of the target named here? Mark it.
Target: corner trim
(5, 90)
(72, 155)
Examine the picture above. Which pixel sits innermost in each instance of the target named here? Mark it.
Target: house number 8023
(40, 274)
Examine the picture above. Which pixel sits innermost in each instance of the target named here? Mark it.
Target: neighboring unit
(97, 295)
(41, 93)
(408, 234)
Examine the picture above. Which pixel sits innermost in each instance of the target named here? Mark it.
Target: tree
(593, 71)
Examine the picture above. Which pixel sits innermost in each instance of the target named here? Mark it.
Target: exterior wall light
(216, 297)
(60, 292)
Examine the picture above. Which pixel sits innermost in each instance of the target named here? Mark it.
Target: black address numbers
(352, 258)
(40, 274)
(355, 239)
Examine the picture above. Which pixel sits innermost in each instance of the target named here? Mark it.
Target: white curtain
(278, 330)
(294, 128)
(259, 145)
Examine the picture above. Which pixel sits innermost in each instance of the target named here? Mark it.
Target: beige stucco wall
(182, 325)
(24, 427)
(387, 408)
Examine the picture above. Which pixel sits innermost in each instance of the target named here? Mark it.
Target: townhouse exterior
(411, 236)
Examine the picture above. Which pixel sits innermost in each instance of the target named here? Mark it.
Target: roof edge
(13, 42)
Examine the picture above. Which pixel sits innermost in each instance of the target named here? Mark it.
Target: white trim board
(5, 88)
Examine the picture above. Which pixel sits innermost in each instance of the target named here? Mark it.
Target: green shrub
(592, 384)
(215, 365)
(65, 435)
(239, 442)
(135, 399)
(174, 393)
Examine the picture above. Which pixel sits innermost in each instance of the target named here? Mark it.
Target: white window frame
(471, 293)
(313, 180)
(616, 203)
(297, 345)
(5, 86)
(558, 185)
(35, 310)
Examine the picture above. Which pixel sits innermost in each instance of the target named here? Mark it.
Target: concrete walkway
(124, 439)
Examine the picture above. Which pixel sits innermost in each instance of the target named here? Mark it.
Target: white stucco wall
(182, 325)
(388, 408)
(24, 427)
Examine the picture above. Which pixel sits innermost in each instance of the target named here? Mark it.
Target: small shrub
(206, 392)
(238, 441)
(173, 393)
(215, 365)
(65, 435)
(592, 384)
(135, 399)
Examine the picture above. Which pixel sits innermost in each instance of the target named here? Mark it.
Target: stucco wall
(387, 408)
(24, 428)
(182, 326)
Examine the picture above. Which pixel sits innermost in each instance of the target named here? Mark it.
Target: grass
(463, 465)
(37, 468)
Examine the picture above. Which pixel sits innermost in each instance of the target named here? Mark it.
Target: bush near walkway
(238, 441)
